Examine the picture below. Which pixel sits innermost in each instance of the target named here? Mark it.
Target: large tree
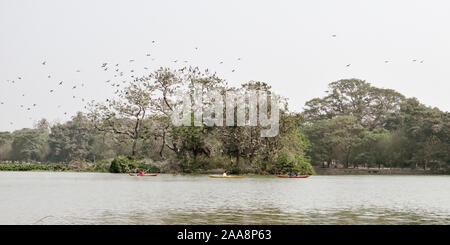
(72, 140)
(29, 145)
(124, 115)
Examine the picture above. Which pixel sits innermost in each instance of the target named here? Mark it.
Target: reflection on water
(93, 198)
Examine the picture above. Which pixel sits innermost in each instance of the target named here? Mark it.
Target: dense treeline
(354, 125)
(357, 124)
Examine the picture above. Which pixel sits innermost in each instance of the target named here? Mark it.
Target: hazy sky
(288, 44)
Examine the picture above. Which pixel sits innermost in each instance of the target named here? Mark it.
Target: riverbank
(377, 171)
(318, 170)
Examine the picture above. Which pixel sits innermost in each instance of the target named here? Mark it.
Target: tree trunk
(163, 144)
(133, 150)
(237, 159)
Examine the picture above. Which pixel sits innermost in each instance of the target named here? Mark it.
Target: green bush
(233, 170)
(191, 166)
(153, 169)
(130, 164)
(287, 162)
(101, 166)
(303, 167)
(30, 167)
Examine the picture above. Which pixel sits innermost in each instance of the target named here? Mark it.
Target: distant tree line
(357, 124)
(354, 125)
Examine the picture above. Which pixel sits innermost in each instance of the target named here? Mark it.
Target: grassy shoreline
(21, 167)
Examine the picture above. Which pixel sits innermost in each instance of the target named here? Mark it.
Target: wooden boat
(228, 176)
(287, 176)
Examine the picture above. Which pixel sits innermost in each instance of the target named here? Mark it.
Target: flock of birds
(120, 78)
(386, 61)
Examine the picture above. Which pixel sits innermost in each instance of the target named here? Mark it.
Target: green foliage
(355, 124)
(287, 162)
(233, 169)
(30, 167)
(29, 145)
(5, 145)
(190, 166)
(304, 167)
(101, 166)
(73, 140)
(130, 164)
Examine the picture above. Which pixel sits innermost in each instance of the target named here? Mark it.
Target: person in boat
(224, 174)
(142, 172)
(291, 174)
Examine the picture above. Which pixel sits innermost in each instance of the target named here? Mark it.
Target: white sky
(288, 44)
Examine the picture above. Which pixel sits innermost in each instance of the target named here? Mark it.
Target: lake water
(101, 198)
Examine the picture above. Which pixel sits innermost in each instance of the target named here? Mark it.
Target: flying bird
(43, 63)
(348, 65)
